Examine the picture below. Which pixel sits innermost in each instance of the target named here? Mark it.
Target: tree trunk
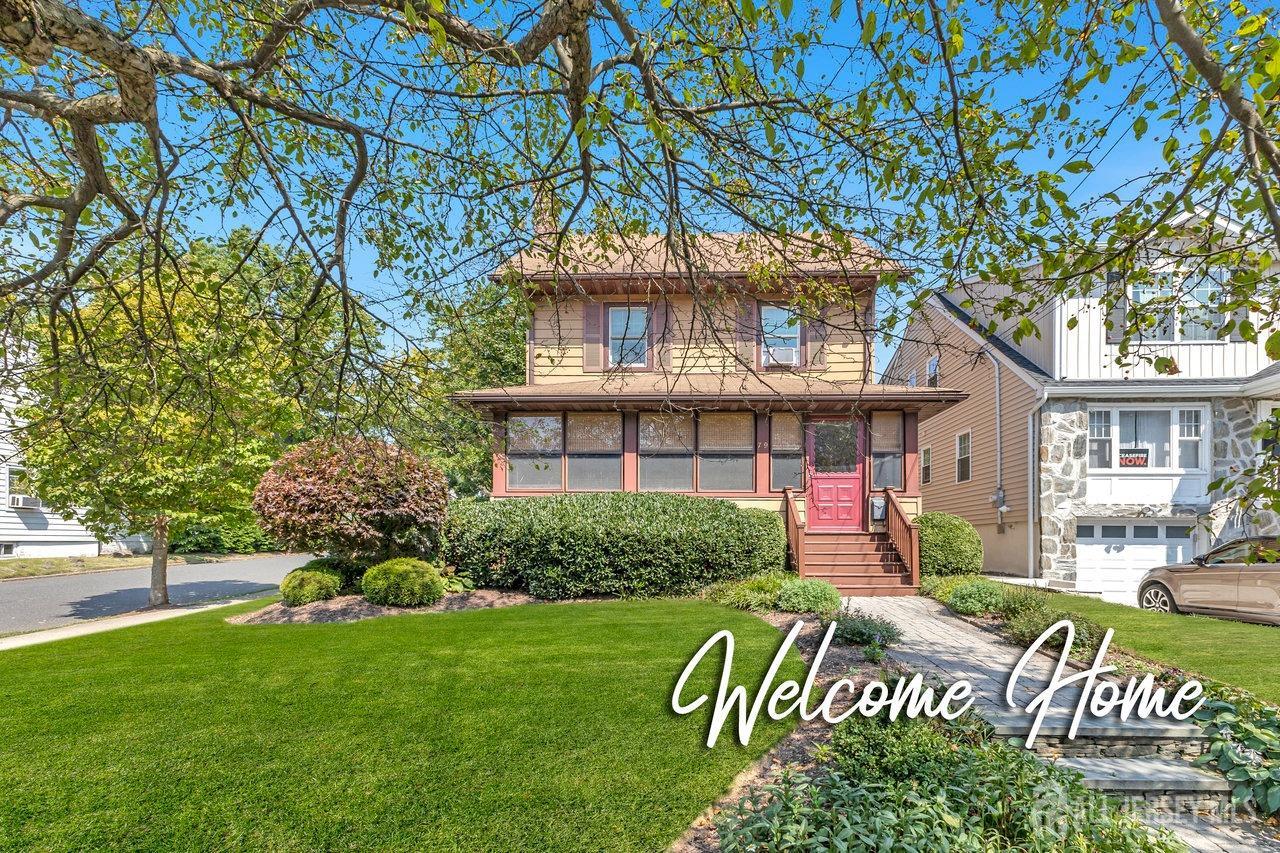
(160, 562)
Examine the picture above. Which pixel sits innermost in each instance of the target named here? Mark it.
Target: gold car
(1238, 580)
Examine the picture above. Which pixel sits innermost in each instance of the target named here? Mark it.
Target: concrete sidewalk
(110, 623)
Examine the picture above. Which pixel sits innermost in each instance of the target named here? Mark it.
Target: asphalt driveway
(31, 604)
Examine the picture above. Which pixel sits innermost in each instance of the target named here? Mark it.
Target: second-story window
(964, 457)
(1186, 308)
(780, 336)
(628, 336)
(932, 371)
(926, 466)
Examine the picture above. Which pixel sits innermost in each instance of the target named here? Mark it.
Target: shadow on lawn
(135, 598)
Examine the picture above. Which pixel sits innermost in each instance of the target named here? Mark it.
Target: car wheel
(1157, 597)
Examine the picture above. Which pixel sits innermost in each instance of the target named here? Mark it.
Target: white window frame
(1206, 439)
(1176, 281)
(968, 456)
(630, 307)
(911, 379)
(765, 360)
(933, 372)
(926, 465)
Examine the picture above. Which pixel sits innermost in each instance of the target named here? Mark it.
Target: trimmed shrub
(808, 595)
(855, 628)
(301, 586)
(222, 537)
(758, 593)
(403, 582)
(355, 498)
(348, 572)
(949, 545)
(613, 543)
(976, 597)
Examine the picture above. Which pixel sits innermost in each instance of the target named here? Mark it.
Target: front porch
(858, 562)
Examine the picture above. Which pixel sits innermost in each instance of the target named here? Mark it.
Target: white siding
(1038, 349)
(1087, 355)
(37, 532)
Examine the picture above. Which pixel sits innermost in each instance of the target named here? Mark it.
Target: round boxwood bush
(403, 582)
(949, 545)
(808, 595)
(301, 586)
(347, 571)
(612, 543)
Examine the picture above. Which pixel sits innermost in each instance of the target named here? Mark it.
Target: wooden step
(820, 546)
(877, 581)
(871, 563)
(869, 591)
(843, 537)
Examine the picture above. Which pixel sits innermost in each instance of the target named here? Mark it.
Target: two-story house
(1077, 466)
(746, 378)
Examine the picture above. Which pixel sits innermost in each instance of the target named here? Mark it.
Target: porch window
(786, 452)
(1145, 435)
(534, 447)
(926, 466)
(593, 443)
(726, 452)
(628, 336)
(886, 450)
(666, 452)
(780, 336)
(1100, 439)
(964, 457)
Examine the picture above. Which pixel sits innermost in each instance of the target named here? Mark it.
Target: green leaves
(869, 27)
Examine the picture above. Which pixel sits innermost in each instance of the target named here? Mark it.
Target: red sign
(1137, 457)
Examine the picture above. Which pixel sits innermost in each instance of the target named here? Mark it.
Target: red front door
(836, 499)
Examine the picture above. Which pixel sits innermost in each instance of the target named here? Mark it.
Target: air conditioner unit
(781, 355)
(25, 502)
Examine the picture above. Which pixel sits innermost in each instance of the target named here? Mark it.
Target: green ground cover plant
(533, 728)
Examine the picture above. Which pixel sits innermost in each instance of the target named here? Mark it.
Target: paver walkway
(936, 643)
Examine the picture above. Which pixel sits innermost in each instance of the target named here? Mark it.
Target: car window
(1232, 553)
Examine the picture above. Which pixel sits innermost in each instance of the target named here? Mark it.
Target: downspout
(998, 497)
(1033, 481)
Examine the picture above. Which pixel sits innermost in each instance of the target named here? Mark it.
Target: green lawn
(1231, 652)
(532, 728)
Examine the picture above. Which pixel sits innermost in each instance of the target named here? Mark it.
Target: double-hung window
(666, 452)
(726, 452)
(964, 457)
(886, 450)
(926, 466)
(780, 336)
(1147, 439)
(535, 445)
(933, 372)
(593, 445)
(786, 451)
(628, 336)
(1187, 308)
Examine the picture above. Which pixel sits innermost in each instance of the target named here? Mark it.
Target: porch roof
(714, 391)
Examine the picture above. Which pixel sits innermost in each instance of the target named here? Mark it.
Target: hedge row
(613, 543)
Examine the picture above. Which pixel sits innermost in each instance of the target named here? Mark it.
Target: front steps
(856, 563)
(1146, 762)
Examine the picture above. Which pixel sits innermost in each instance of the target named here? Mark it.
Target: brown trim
(762, 304)
(606, 325)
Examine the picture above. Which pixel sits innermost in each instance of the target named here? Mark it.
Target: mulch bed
(353, 608)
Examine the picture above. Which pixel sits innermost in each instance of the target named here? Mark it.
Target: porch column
(499, 427)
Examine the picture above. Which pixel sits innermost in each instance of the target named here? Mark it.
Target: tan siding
(962, 367)
(702, 340)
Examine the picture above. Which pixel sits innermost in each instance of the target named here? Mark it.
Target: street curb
(231, 558)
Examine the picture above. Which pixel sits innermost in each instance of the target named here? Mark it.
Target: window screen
(593, 442)
(726, 452)
(786, 452)
(534, 445)
(886, 450)
(666, 452)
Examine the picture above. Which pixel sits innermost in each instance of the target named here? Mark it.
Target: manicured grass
(29, 567)
(544, 727)
(1234, 653)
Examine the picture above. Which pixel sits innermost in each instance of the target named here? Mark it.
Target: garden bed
(354, 608)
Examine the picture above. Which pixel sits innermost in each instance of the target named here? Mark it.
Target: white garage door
(1112, 554)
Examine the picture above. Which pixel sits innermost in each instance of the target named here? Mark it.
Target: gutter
(998, 497)
(1153, 387)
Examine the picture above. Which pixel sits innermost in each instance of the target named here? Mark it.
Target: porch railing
(795, 531)
(904, 534)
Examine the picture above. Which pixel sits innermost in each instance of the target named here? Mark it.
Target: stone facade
(1063, 478)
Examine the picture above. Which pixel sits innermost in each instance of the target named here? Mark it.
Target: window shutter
(815, 343)
(1119, 311)
(592, 337)
(660, 335)
(747, 333)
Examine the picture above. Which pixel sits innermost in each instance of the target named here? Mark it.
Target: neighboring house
(634, 384)
(1076, 469)
(27, 527)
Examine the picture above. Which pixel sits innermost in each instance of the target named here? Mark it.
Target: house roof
(713, 390)
(1000, 345)
(589, 256)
